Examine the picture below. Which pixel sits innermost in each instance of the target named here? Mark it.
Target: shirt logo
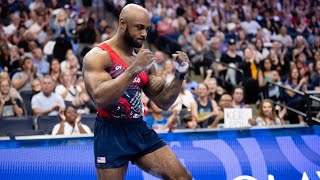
(136, 80)
(118, 68)
(101, 159)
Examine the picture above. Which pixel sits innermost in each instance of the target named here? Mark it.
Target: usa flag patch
(101, 159)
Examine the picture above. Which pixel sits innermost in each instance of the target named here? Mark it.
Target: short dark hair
(187, 118)
(25, 59)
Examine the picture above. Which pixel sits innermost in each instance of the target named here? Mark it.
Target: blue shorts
(116, 142)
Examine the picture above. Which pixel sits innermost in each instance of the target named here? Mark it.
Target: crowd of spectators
(236, 47)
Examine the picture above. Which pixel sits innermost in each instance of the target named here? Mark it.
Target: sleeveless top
(203, 111)
(129, 105)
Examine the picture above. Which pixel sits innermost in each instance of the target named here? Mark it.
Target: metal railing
(308, 96)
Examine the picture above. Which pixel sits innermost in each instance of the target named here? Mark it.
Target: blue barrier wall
(286, 153)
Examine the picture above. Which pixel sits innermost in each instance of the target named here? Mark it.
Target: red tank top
(129, 105)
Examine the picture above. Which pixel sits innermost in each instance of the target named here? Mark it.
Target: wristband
(180, 76)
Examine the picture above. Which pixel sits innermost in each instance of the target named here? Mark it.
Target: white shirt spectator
(70, 130)
(46, 103)
(251, 27)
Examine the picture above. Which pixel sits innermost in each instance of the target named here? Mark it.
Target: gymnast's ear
(122, 24)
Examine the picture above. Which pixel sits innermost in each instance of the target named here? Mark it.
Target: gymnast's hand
(181, 64)
(144, 60)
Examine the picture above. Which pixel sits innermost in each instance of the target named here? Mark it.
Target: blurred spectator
(36, 4)
(292, 99)
(5, 56)
(261, 51)
(4, 76)
(238, 98)
(168, 72)
(191, 85)
(14, 24)
(22, 80)
(301, 45)
(21, 8)
(279, 64)
(87, 35)
(62, 27)
(250, 26)
(283, 37)
(242, 41)
(274, 92)
(214, 54)
(225, 102)
(55, 70)
(265, 74)
(36, 86)
(10, 104)
(70, 123)
(185, 100)
(190, 121)
(199, 48)
(47, 102)
(316, 44)
(70, 92)
(206, 107)
(39, 62)
(215, 91)
(157, 121)
(315, 75)
(37, 28)
(249, 66)
(267, 115)
(70, 64)
(15, 59)
(230, 59)
(159, 63)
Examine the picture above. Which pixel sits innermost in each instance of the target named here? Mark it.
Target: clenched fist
(144, 60)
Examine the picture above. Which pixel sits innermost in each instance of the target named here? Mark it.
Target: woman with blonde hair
(62, 24)
(70, 92)
(63, 29)
(10, 104)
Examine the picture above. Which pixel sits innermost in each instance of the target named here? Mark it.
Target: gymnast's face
(136, 31)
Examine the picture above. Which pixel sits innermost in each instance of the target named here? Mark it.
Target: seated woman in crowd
(267, 115)
(70, 123)
(55, 70)
(296, 101)
(10, 104)
(265, 73)
(70, 92)
(206, 108)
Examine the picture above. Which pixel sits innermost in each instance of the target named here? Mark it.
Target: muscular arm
(102, 88)
(161, 94)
